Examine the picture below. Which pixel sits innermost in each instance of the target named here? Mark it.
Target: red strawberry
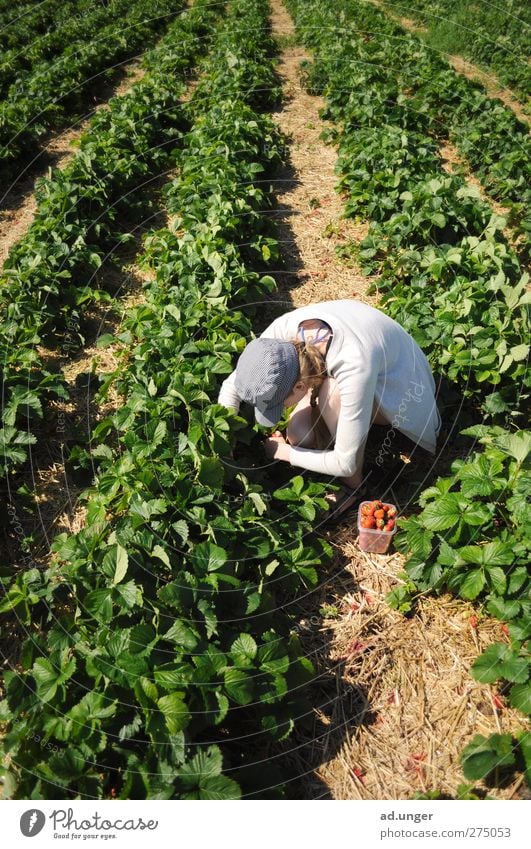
(497, 702)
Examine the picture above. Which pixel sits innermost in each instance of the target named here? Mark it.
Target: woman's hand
(276, 447)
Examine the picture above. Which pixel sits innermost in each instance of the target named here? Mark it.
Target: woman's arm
(356, 382)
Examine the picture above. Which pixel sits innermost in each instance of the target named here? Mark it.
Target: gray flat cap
(266, 372)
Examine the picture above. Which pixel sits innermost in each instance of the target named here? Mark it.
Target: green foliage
(448, 275)
(484, 756)
(50, 78)
(494, 35)
(445, 269)
(51, 275)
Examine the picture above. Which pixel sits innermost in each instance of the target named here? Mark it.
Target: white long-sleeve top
(374, 362)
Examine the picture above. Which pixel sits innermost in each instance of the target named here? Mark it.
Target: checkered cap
(266, 372)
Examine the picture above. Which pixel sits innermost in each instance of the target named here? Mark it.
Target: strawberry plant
(429, 232)
(490, 757)
(50, 274)
(56, 89)
(495, 36)
(44, 33)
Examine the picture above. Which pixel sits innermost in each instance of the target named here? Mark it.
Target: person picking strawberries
(342, 366)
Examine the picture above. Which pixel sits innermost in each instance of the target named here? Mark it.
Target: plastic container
(375, 541)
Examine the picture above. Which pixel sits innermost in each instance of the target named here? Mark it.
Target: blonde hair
(312, 367)
(312, 372)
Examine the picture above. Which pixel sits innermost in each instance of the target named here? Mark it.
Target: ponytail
(312, 367)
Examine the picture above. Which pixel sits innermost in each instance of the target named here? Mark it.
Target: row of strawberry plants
(28, 21)
(68, 25)
(50, 276)
(472, 538)
(449, 277)
(9, 14)
(494, 35)
(430, 232)
(421, 93)
(55, 90)
(166, 641)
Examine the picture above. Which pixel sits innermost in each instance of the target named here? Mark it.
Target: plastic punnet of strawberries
(376, 525)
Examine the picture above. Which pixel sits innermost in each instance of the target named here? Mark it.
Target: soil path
(310, 211)
(395, 704)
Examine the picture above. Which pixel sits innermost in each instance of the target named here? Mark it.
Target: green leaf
(171, 676)
(520, 352)
(486, 667)
(181, 528)
(105, 340)
(211, 472)
(204, 765)
(99, 604)
(477, 514)
(472, 584)
(520, 697)
(243, 650)
(160, 553)
(122, 562)
(182, 635)
(239, 686)
(443, 513)
(503, 609)
(219, 788)
(208, 557)
(471, 554)
(418, 539)
(517, 579)
(48, 677)
(517, 445)
(258, 501)
(500, 661)
(524, 740)
(497, 579)
(128, 593)
(498, 553)
(485, 754)
(175, 712)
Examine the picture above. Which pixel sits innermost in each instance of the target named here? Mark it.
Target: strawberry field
(154, 650)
